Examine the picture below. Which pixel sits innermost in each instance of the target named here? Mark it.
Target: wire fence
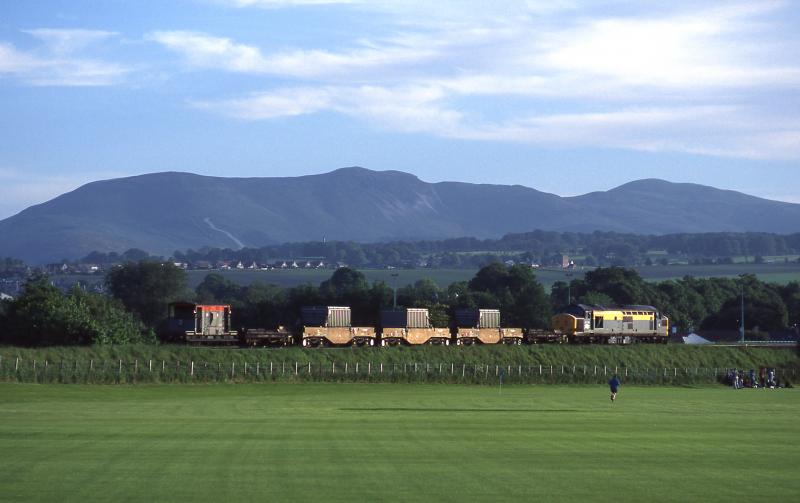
(163, 371)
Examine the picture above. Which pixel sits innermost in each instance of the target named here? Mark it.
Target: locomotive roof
(600, 307)
(193, 305)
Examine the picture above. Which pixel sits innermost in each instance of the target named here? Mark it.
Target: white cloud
(14, 61)
(64, 41)
(676, 78)
(410, 109)
(211, 52)
(56, 64)
(280, 103)
(206, 51)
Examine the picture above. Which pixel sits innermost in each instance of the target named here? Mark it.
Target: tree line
(136, 309)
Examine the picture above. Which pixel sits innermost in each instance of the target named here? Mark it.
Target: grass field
(389, 442)
(774, 273)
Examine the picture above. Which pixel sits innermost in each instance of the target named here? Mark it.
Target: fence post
(356, 368)
(381, 368)
(369, 368)
(192, 371)
(233, 369)
(245, 368)
(150, 365)
(540, 369)
(163, 366)
(345, 367)
(295, 368)
(16, 365)
(463, 369)
(270, 368)
(258, 367)
(333, 367)
(119, 372)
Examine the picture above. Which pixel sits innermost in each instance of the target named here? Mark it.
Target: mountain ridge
(177, 210)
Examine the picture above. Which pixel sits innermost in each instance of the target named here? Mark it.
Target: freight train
(331, 326)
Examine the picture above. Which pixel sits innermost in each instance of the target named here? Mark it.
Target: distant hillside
(164, 212)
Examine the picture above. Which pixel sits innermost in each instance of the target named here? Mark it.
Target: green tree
(146, 288)
(521, 297)
(344, 283)
(42, 315)
(216, 288)
(596, 299)
(625, 286)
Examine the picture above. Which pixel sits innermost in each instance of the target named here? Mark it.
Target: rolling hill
(164, 212)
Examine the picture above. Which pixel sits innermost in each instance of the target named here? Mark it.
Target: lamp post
(569, 288)
(394, 290)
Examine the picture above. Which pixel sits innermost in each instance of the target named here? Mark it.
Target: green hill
(164, 212)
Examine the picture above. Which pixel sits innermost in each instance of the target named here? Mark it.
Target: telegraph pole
(741, 326)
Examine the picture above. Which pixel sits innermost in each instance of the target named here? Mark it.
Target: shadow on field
(409, 409)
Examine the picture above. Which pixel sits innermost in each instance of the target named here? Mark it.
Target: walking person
(614, 384)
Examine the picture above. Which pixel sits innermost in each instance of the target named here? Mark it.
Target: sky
(564, 96)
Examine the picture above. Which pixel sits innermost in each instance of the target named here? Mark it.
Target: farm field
(777, 273)
(373, 442)
(774, 273)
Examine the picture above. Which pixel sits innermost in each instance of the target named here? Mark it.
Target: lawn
(374, 442)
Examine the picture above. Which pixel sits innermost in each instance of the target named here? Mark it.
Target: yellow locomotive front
(586, 323)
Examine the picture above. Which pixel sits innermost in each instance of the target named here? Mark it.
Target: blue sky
(563, 96)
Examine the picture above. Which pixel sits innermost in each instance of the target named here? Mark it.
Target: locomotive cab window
(598, 322)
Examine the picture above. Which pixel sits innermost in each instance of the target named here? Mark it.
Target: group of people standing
(740, 379)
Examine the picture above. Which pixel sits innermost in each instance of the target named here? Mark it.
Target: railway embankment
(637, 364)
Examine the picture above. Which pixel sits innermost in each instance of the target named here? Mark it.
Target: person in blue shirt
(614, 384)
